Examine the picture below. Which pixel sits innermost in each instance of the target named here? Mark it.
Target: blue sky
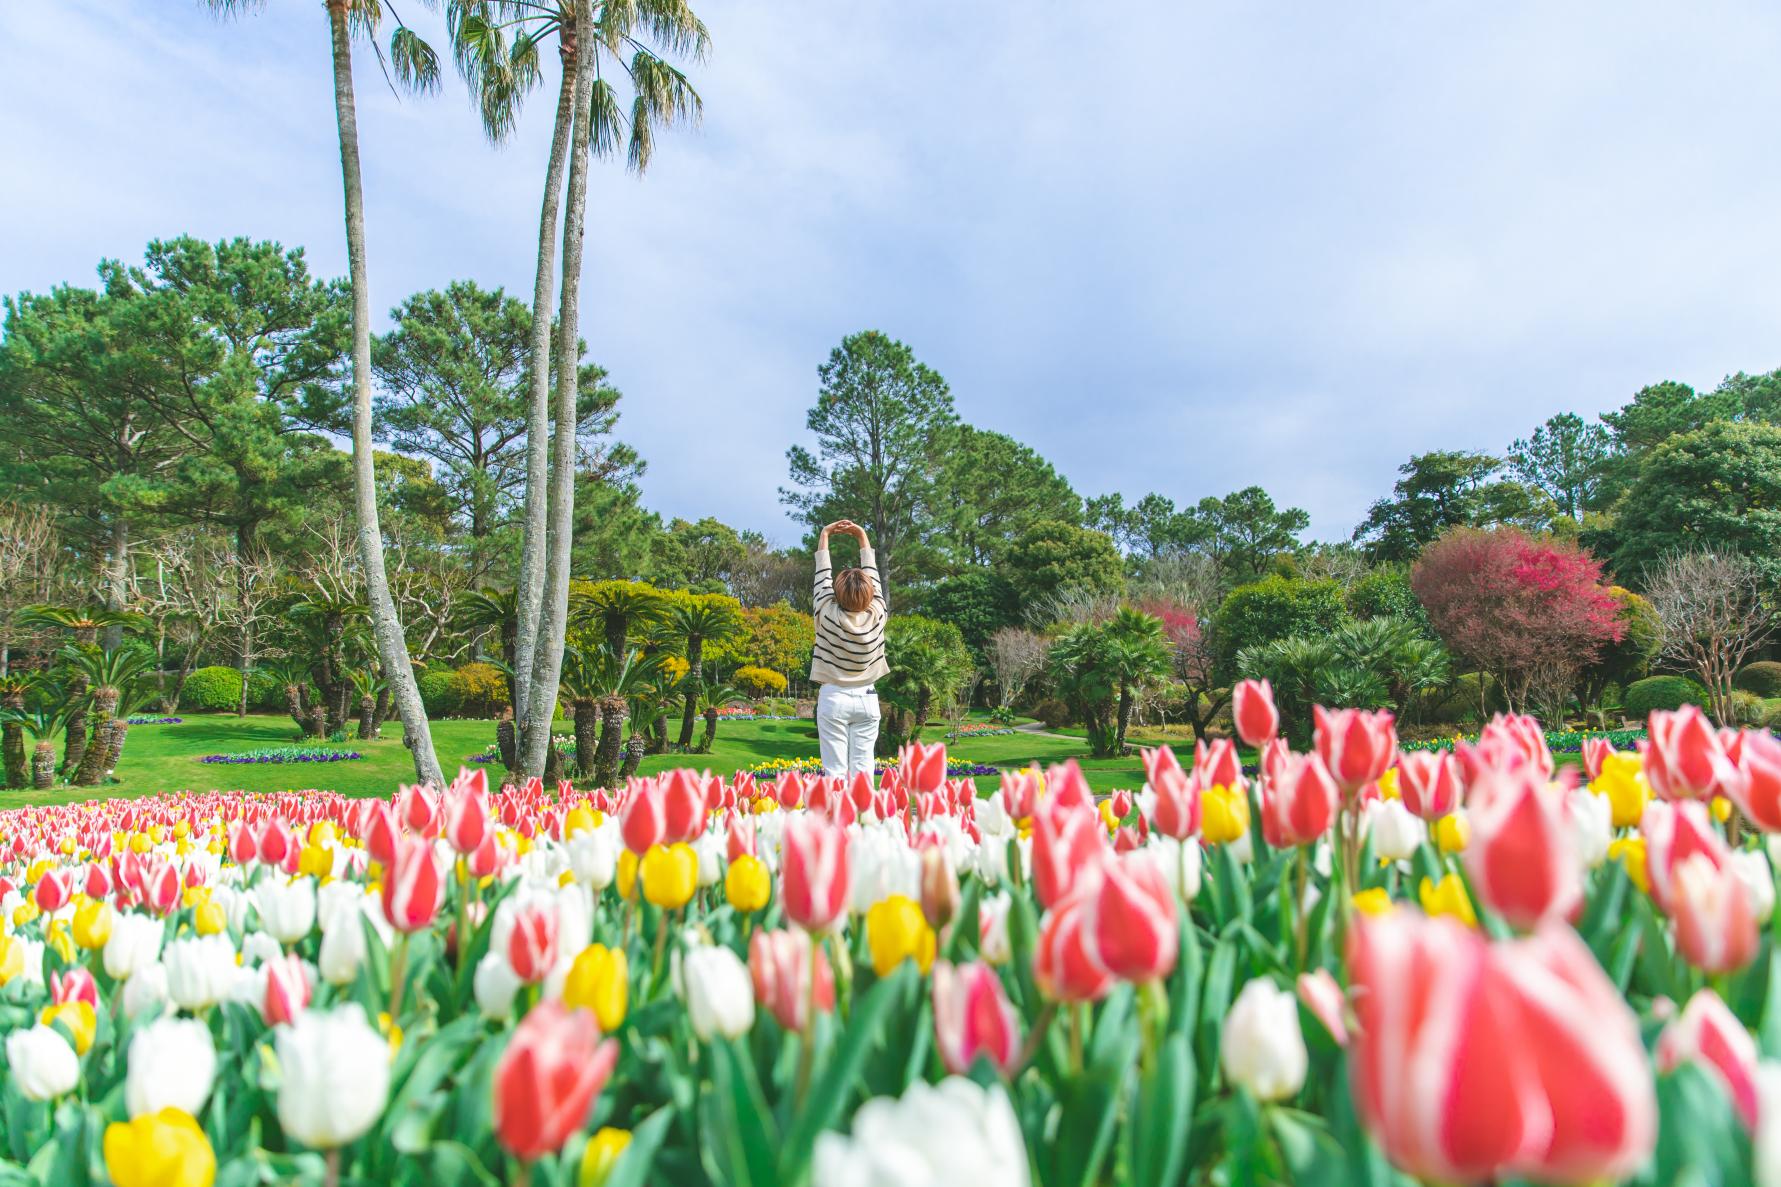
(1192, 247)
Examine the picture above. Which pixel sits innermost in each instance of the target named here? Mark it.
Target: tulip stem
(398, 973)
(1078, 1024)
(1036, 1036)
(331, 1164)
(661, 948)
(1300, 915)
(807, 1040)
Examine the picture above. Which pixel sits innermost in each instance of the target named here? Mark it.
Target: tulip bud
(815, 872)
(670, 875)
(1716, 928)
(1429, 782)
(1299, 801)
(336, 1076)
(468, 821)
(1685, 757)
(1355, 744)
(780, 965)
(924, 767)
(719, 997)
(642, 823)
(1131, 925)
(417, 811)
(532, 941)
(599, 980)
(747, 884)
(1708, 1033)
(1064, 964)
(40, 1063)
(895, 932)
(1261, 1048)
(973, 1018)
(939, 888)
(413, 886)
(1253, 711)
(1522, 860)
(1320, 994)
(160, 1149)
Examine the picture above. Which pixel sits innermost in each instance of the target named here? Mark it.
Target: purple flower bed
(282, 755)
(153, 720)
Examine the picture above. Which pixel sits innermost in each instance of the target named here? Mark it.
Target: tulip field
(1356, 965)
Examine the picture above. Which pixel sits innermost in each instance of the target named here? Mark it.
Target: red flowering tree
(1195, 661)
(1531, 613)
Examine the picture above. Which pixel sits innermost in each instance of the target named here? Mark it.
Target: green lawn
(164, 758)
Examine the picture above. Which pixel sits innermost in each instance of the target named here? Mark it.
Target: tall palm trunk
(612, 725)
(115, 733)
(547, 660)
(92, 764)
(385, 623)
(587, 744)
(76, 747)
(531, 561)
(695, 676)
(12, 742)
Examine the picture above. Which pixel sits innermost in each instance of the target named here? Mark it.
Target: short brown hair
(853, 590)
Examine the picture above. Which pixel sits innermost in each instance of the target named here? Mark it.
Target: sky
(1199, 246)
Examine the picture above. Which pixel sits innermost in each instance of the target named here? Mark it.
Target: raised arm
(825, 584)
(868, 558)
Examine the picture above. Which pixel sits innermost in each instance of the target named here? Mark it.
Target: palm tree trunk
(92, 764)
(43, 765)
(76, 747)
(367, 715)
(587, 742)
(115, 732)
(385, 623)
(633, 750)
(612, 724)
(547, 659)
(17, 766)
(531, 561)
(695, 675)
(710, 730)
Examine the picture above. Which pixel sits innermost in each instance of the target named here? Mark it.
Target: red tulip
(1521, 859)
(1066, 840)
(1063, 966)
(1475, 1061)
(1216, 765)
(788, 789)
(683, 806)
(1675, 832)
(275, 841)
(160, 887)
(1132, 931)
(1595, 755)
(780, 965)
(1685, 757)
(243, 848)
(417, 811)
(815, 871)
(532, 944)
(1067, 787)
(973, 1018)
(75, 985)
(1716, 928)
(1511, 740)
(53, 890)
(378, 829)
(1176, 811)
(1355, 744)
(1319, 993)
(547, 1079)
(467, 819)
(1709, 1034)
(413, 886)
(643, 822)
(1253, 711)
(1429, 783)
(1299, 801)
(741, 840)
(861, 792)
(924, 767)
(1758, 792)
(287, 990)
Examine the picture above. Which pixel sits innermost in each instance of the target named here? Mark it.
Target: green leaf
(739, 1131)
(633, 1166)
(1215, 1000)
(1163, 1117)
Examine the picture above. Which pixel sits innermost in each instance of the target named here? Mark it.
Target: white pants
(846, 728)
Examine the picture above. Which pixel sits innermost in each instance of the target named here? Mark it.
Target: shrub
(213, 690)
(1745, 708)
(265, 690)
(1762, 678)
(481, 690)
(1053, 712)
(439, 691)
(1662, 692)
(1771, 717)
(1256, 614)
(759, 682)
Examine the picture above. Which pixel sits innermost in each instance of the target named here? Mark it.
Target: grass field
(164, 758)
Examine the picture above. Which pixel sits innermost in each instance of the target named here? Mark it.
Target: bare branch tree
(1715, 614)
(181, 584)
(28, 565)
(1017, 657)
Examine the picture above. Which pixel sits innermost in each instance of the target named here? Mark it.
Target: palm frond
(606, 120)
(416, 65)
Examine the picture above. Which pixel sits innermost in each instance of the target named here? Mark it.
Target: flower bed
(283, 754)
(980, 729)
(153, 720)
(1558, 741)
(1484, 974)
(955, 768)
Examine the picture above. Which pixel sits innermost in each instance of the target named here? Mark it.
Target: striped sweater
(849, 649)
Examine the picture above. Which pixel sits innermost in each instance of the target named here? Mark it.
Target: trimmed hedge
(758, 682)
(439, 691)
(1762, 678)
(212, 690)
(1662, 692)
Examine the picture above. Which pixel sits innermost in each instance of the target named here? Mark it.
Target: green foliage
(1445, 489)
(775, 637)
(758, 682)
(1375, 664)
(1567, 459)
(1055, 557)
(213, 689)
(929, 663)
(1385, 593)
(989, 490)
(1744, 708)
(265, 690)
(978, 602)
(1277, 607)
(1762, 678)
(1718, 486)
(1662, 692)
(1630, 658)
(481, 690)
(439, 692)
(1098, 668)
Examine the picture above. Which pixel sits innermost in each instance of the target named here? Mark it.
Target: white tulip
(258, 947)
(712, 853)
(336, 1070)
(172, 1065)
(342, 950)
(1767, 1139)
(201, 971)
(952, 1134)
(882, 863)
(287, 908)
(134, 944)
(1397, 834)
(1758, 877)
(145, 991)
(41, 1064)
(31, 973)
(992, 928)
(593, 857)
(495, 984)
(718, 992)
(1261, 1047)
(1179, 862)
(1591, 820)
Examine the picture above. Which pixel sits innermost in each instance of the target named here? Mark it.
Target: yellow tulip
(24, 913)
(157, 833)
(92, 924)
(78, 1022)
(627, 875)
(1623, 781)
(747, 884)
(602, 1154)
(580, 819)
(897, 931)
(1452, 833)
(1388, 784)
(323, 834)
(1721, 809)
(1448, 897)
(1107, 817)
(1630, 853)
(60, 940)
(164, 1149)
(210, 919)
(315, 861)
(1224, 815)
(12, 958)
(66, 848)
(1373, 902)
(36, 870)
(670, 874)
(599, 982)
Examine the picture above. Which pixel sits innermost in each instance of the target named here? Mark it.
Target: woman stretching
(849, 654)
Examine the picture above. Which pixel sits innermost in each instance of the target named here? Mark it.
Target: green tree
(693, 621)
(876, 419)
(1716, 487)
(928, 661)
(702, 554)
(1278, 607)
(989, 489)
(1566, 459)
(1446, 489)
(978, 602)
(1099, 668)
(1054, 557)
(1244, 531)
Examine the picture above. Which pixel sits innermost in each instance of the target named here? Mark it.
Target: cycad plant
(417, 68)
(83, 627)
(42, 727)
(712, 698)
(603, 44)
(601, 685)
(693, 623)
(109, 675)
(372, 690)
(495, 610)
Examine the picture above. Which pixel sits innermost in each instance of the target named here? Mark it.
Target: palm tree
(603, 682)
(43, 726)
(1139, 654)
(496, 44)
(615, 608)
(713, 697)
(13, 688)
(693, 623)
(371, 688)
(496, 610)
(84, 626)
(110, 675)
(417, 68)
